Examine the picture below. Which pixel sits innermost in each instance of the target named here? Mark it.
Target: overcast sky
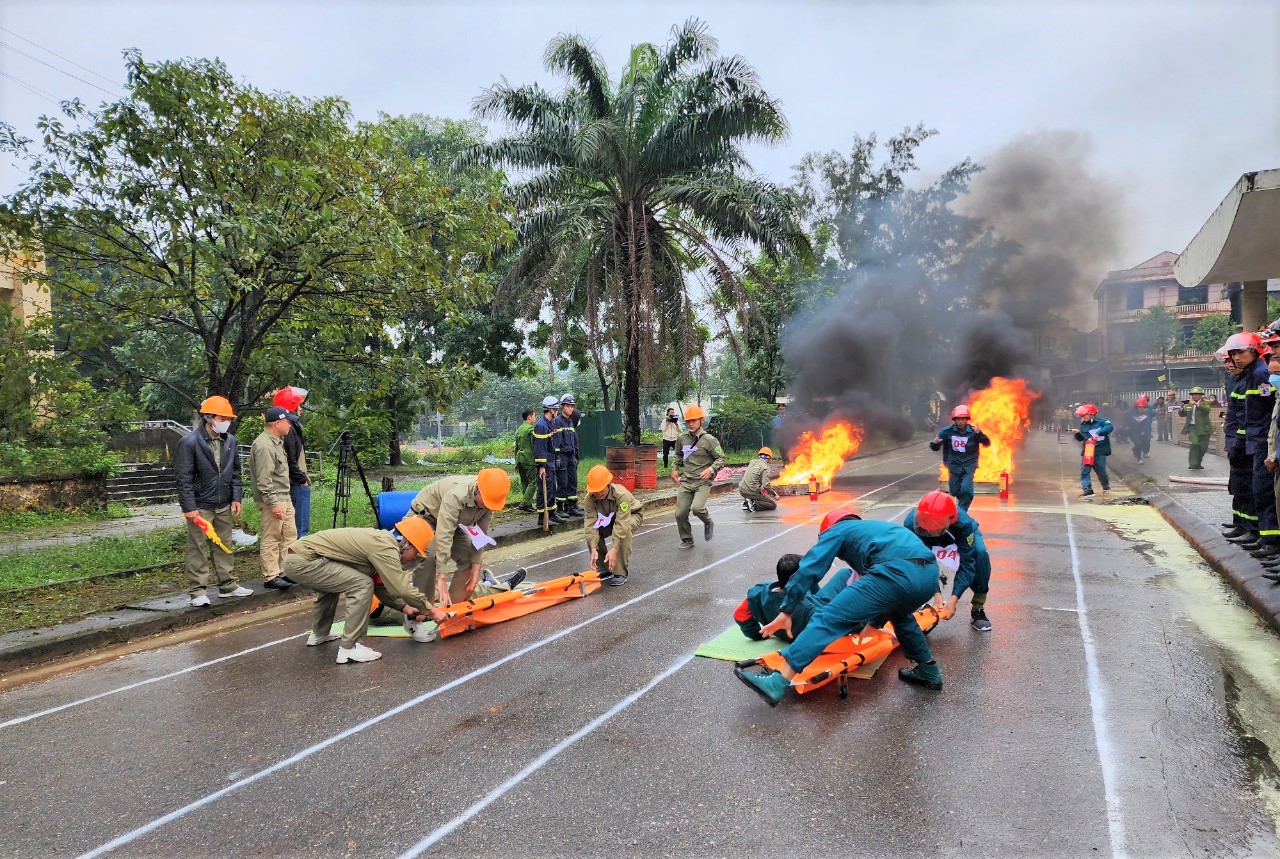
(1178, 99)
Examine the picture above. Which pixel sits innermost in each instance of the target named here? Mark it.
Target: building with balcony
(1122, 298)
(26, 297)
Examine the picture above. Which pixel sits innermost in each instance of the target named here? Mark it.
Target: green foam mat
(392, 631)
(732, 646)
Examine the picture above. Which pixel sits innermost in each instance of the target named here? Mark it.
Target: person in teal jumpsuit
(898, 575)
(957, 542)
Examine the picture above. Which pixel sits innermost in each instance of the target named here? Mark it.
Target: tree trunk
(393, 440)
(631, 396)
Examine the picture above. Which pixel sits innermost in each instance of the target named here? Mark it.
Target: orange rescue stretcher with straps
(845, 654)
(495, 608)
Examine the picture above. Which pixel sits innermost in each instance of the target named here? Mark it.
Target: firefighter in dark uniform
(544, 458)
(569, 420)
(1252, 402)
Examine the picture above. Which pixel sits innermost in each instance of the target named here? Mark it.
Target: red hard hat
(936, 511)
(1142, 402)
(1086, 410)
(837, 515)
(960, 412)
(289, 398)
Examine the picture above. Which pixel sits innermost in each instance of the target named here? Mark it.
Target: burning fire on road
(1003, 412)
(818, 457)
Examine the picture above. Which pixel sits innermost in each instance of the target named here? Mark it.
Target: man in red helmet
(1249, 412)
(898, 574)
(960, 443)
(291, 399)
(957, 543)
(1095, 428)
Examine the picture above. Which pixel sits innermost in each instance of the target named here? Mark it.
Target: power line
(29, 87)
(56, 69)
(59, 56)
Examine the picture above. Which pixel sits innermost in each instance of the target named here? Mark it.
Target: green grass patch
(25, 520)
(102, 555)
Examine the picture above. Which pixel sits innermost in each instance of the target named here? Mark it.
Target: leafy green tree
(1161, 334)
(249, 235)
(631, 185)
(1211, 333)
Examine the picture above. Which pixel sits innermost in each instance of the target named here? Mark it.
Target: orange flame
(1003, 412)
(821, 456)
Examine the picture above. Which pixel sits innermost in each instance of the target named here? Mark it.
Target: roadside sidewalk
(1196, 504)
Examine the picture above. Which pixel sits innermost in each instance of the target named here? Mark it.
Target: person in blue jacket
(1098, 429)
(898, 575)
(567, 474)
(544, 459)
(1252, 406)
(1140, 421)
(958, 545)
(764, 601)
(960, 443)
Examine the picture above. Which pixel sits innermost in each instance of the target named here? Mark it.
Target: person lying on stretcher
(764, 601)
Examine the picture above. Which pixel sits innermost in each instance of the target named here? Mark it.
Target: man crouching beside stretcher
(460, 510)
(611, 511)
(361, 562)
(899, 574)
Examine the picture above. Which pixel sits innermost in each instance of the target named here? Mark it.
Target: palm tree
(635, 197)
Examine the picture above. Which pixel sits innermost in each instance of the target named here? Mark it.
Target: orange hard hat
(694, 413)
(494, 483)
(219, 406)
(765, 451)
(960, 412)
(598, 478)
(837, 515)
(417, 531)
(936, 511)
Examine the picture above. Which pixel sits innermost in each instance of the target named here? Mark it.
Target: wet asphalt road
(589, 730)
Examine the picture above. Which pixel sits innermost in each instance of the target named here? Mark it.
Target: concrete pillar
(1253, 305)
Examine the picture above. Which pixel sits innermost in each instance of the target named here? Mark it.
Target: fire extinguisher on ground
(813, 488)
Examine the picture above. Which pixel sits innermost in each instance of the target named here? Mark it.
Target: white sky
(1179, 99)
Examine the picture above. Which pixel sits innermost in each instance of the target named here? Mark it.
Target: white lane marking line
(1055, 608)
(148, 828)
(168, 676)
(1097, 700)
(492, 796)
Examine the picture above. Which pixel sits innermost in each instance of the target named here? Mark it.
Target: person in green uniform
(1198, 427)
(359, 563)
(611, 511)
(460, 510)
(524, 460)
(698, 458)
(754, 485)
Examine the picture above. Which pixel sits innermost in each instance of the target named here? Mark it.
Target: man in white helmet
(544, 458)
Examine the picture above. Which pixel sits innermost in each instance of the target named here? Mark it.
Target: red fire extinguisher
(1004, 484)
(1088, 451)
(813, 488)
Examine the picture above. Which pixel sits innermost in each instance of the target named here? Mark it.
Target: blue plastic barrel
(393, 506)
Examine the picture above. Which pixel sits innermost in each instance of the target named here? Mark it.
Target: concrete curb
(1240, 569)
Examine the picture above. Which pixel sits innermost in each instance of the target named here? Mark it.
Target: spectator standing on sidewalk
(524, 460)
(291, 399)
(1198, 427)
(207, 471)
(1162, 417)
(670, 433)
(269, 470)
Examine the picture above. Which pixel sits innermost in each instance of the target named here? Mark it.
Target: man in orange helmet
(460, 510)
(698, 458)
(611, 511)
(207, 471)
(754, 485)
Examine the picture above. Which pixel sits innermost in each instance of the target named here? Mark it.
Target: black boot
(1245, 537)
(1233, 532)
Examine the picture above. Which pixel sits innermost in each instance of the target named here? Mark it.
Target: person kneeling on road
(957, 543)
(611, 511)
(899, 574)
(754, 485)
(362, 562)
(460, 510)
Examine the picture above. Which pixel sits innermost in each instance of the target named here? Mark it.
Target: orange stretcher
(495, 608)
(845, 654)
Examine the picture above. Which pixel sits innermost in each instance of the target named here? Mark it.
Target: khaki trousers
(274, 541)
(199, 547)
(329, 579)
(426, 576)
(762, 501)
(691, 496)
(623, 563)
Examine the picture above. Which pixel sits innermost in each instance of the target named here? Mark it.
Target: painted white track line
(51, 710)
(492, 796)
(302, 755)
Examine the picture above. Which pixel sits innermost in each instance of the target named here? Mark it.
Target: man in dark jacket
(291, 400)
(961, 443)
(207, 471)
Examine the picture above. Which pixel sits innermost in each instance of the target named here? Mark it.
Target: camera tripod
(347, 457)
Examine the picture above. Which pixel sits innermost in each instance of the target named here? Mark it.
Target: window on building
(1134, 297)
(1193, 294)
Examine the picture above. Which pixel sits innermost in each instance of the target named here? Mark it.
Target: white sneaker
(313, 639)
(421, 630)
(200, 601)
(359, 653)
(751, 505)
(238, 592)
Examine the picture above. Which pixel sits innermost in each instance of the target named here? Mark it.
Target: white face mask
(220, 426)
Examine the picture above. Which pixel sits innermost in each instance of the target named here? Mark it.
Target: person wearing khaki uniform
(698, 458)
(611, 511)
(447, 505)
(754, 482)
(359, 563)
(269, 470)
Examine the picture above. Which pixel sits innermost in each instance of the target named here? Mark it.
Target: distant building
(1122, 298)
(27, 298)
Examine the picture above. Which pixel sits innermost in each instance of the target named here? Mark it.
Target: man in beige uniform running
(269, 469)
(362, 562)
(698, 458)
(460, 510)
(611, 511)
